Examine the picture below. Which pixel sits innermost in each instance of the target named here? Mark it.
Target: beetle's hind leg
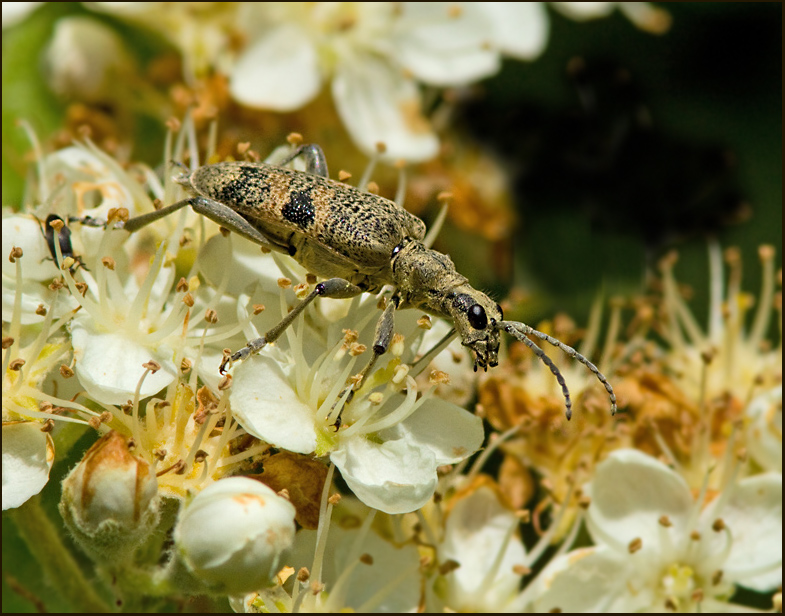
(312, 154)
(215, 211)
(337, 288)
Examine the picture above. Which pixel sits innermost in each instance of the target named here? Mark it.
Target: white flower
(30, 285)
(29, 356)
(730, 357)
(655, 548)
(234, 533)
(389, 444)
(119, 330)
(387, 451)
(374, 54)
(353, 569)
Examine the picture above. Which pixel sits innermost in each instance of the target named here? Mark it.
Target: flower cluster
(377, 58)
(124, 334)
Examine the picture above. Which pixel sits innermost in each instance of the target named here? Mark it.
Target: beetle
(358, 242)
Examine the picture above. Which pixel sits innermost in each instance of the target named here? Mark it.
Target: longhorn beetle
(359, 242)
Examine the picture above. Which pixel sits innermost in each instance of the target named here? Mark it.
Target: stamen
(325, 514)
(545, 540)
(403, 411)
(400, 193)
(493, 570)
(614, 327)
(340, 588)
(496, 440)
(369, 168)
(138, 309)
(40, 160)
(762, 319)
(433, 232)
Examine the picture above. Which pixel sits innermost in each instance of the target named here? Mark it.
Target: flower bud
(233, 534)
(86, 59)
(110, 500)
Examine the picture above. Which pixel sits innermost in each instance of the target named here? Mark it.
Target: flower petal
(444, 44)
(582, 11)
(764, 432)
(394, 476)
(24, 232)
(477, 530)
(280, 71)
(369, 588)
(754, 517)
(109, 365)
(629, 494)
(377, 103)
(520, 28)
(587, 580)
(28, 455)
(242, 264)
(448, 431)
(267, 406)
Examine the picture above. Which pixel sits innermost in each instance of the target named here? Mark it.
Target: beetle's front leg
(337, 288)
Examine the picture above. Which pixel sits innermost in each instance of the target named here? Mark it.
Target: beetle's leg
(381, 342)
(215, 211)
(315, 162)
(382, 337)
(334, 287)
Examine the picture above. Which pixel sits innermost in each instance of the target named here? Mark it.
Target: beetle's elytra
(359, 242)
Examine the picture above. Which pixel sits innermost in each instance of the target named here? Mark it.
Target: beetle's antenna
(520, 330)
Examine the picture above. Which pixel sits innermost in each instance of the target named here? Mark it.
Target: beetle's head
(476, 317)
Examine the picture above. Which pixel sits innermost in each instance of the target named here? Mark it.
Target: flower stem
(56, 562)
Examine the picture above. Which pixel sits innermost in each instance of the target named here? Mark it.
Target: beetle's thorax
(427, 280)
(423, 276)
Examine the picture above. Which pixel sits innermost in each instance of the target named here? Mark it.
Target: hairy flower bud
(110, 500)
(233, 534)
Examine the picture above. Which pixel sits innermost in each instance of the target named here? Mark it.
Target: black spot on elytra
(300, 209)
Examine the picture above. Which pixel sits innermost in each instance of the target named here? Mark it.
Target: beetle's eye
(477, 317)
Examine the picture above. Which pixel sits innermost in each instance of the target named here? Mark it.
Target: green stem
(57, 564)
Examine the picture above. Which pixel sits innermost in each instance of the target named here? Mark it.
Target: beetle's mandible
(358, 242)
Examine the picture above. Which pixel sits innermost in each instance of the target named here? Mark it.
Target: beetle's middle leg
(381, 342)
(337, 288)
